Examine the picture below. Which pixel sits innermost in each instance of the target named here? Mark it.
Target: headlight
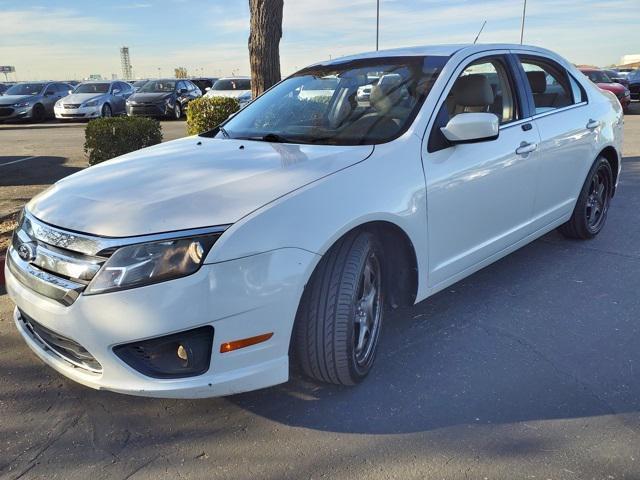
(21, 104)
(91, 103)
(130, 102)
(147, 263)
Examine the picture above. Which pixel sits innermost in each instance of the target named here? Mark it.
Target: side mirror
(207, 89)
(49, 94)
(70, 92)
(116, 91)
(472, 127)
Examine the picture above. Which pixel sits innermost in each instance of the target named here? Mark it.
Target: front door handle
(526, 148)
(593, 124)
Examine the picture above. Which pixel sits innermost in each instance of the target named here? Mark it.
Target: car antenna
(481, 28)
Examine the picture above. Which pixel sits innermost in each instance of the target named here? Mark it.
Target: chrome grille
(47, 260)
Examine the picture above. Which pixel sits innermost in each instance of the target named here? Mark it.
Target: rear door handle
(593, 124)
(526, 148)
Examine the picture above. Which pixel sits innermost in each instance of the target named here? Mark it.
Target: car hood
(149, 97)
(11, 99)
(612, 87)
(82, 97)
(188, 183)
(226, 93)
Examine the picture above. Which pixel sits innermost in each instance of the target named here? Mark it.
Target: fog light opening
(179, 355)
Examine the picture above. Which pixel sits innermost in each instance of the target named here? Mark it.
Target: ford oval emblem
(27, 252)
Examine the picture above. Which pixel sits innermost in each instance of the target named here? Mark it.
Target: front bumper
(240, 299)
(13, 113)
(149, 110)
(81, 112)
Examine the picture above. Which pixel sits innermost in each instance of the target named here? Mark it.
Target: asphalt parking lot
(529, 368)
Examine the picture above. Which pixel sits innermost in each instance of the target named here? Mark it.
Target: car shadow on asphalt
(40, 170)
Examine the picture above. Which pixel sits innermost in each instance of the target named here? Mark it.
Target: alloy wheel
(368, 312)
(598, 200)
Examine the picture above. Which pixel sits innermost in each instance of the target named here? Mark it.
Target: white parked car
(195, 267)
(94, 99)
(234, 87)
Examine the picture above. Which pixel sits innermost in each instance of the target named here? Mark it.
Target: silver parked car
(93, 100)
(32, 100)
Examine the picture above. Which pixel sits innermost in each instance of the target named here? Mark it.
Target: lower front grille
(146, 110)
(71, 105)
(63, 347)
(5, 112)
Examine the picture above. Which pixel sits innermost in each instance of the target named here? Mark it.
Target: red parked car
(604, 82)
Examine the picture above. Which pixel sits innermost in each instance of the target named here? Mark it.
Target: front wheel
(39, 113)
(106, 110)
(590, 212)
(340, 317)
(177, 111)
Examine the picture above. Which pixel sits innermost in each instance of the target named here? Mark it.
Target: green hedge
(206, 113)
(106, 138)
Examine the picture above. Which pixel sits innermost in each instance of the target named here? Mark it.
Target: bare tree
(264, 43)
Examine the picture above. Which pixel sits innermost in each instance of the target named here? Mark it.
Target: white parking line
(18, 161)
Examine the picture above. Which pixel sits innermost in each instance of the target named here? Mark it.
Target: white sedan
(233, 87)
(196, 267)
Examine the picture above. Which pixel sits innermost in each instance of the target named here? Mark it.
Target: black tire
(39, 113)
(337, 327)
(590, 212)
(106, 111)
(177, 111)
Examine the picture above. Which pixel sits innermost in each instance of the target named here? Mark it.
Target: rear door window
(549, 83)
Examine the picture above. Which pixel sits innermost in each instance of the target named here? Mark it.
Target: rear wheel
(340, 316)
(177, 111)
(590, 212)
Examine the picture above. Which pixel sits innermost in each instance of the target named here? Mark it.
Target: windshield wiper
(275, 138)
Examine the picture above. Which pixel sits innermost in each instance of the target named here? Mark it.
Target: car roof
(445, 50)
(234, 78)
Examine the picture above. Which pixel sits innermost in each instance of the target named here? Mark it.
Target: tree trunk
(264, 43)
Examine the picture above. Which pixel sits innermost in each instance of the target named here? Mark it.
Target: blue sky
(63, 39)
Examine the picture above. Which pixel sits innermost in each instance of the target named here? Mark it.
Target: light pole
(377, 24)
(524, 13)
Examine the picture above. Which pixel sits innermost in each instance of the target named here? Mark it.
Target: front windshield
(158, 86)
(361, 102)
(26, 89)
(92, 88)
(232, 84)
(139, 83)
(597, 76)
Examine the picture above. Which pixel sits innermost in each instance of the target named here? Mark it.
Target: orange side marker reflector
(245, 342)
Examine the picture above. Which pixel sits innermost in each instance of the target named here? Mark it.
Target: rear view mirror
(472, 127)
(182, 90)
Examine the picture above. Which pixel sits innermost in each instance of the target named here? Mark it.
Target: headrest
(538, 81)
(387, 93)
(473, 91)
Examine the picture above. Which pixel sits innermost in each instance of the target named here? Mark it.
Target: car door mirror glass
(116, 91)
(472, 127)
